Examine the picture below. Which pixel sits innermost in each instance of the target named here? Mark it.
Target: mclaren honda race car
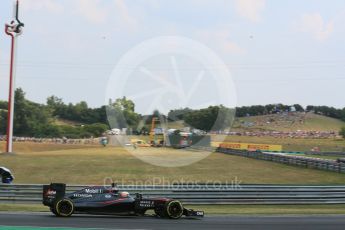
(109, 201)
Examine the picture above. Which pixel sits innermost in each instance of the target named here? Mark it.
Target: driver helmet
(124, 194)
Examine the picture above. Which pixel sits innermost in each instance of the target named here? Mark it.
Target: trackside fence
(306, 162)
(201, 193)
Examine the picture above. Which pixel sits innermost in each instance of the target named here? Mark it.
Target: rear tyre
(173, 209)
(64, 208)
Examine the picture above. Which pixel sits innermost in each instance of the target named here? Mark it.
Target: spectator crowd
(54, 140)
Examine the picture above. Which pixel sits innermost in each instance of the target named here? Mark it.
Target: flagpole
(13, 29)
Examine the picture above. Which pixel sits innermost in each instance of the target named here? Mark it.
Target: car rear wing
(53, 192)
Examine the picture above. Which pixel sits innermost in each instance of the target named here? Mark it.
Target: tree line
(211, 118)
(39, 120)
(257, 110)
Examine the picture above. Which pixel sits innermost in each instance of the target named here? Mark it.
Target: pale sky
(277, 51)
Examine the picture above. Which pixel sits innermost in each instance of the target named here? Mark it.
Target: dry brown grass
(90, 165)
(31, 147)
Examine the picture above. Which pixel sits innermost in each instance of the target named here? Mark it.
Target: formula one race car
(109, 201)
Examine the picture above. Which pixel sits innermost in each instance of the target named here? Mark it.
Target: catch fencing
(306, 162)
(207, 194)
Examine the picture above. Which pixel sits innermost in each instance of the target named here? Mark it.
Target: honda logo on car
(81, 195)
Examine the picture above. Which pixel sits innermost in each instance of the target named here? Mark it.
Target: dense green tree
(46, 130)
(124, 104)
(178, 114)
(79, 112)
(96, 129)
(3, 105)
(211, 118)
(121, 114)
(298, 108)
(3, 121)
(37, 120)
(28, 115)
(55, 105)
(257, 110)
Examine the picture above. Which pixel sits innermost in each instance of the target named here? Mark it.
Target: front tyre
(64, 208)
(173, 209)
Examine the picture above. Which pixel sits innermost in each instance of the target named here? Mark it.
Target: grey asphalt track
(211, 222)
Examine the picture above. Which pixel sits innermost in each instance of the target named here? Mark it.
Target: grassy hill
(279, 122)
(294, 122)
(273, 122)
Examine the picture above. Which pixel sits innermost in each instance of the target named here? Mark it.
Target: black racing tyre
(173, 209)
(64, 208)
